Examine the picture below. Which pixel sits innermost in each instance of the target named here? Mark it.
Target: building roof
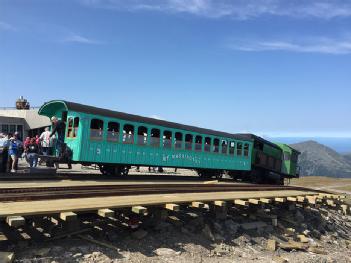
(72, 106)
(32, 118)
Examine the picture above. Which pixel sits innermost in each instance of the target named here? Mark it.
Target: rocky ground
(274, 234)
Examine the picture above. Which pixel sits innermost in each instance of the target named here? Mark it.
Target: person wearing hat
(14, 151)
(59, 127)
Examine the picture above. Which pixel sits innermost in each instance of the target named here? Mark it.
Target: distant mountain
(318, 159)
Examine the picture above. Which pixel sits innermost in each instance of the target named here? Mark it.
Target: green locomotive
(115, 141)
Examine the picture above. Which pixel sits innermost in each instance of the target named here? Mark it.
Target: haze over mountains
(318, 159)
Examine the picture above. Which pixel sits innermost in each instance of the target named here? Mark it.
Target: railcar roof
(136, 118)
(258, 138)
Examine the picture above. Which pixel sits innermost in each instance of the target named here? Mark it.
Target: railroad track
(63, 192)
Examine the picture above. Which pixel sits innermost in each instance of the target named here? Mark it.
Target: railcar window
(167, 139)
(70, 128)
(239, 149)
(207, 144)
(287, 156)
(188, 142)
(232, 148)
(155, 138)
(142, 135)
(278, 164)
(198, 143)
(294, 157)
(246, 150)
(178, 140)
(113, 132)
(270, 162)
(128, 134)
(216, 145)
(96, 128)
(75, 126)
(224, 146)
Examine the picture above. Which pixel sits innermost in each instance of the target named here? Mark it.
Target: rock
(253, 225)
(166, 252)
(87, 256)
(303, 238)
(77, 255)
(7, 257)
(231, 226)
(317, 250)
(271, 245)
(139, 234)
(42, 252)
(207, 232)
(278, 259)
(299, 216)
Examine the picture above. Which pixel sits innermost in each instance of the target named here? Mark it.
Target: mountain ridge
(318, 159)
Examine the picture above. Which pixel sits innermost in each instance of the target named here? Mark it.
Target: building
(23, 119)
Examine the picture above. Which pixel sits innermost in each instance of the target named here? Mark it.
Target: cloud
(7, 27)
(236, 9)
(308, 45)
(75, 38)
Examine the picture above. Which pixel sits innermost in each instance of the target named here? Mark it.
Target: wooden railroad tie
(106, 212)
(15, 221)
(197, 204)
(172, 207)
(266, 200)
(254, 201)
(291, 199)
(220, 203)
(140, 210)
(68, 216)
(301, 199)
(241, 202)
(280, 199)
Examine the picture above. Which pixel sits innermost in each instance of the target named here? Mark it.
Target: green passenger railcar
(116, 140)
(290, 158)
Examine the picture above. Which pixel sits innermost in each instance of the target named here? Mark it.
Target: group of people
(32, 147)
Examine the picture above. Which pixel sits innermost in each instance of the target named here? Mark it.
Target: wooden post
(266, 200)
(140, 210)
(241, 202)
(15, 221)
(106, 212)
(220, 203)
(68, 216)
(280, 199)
(197, 204)
(172, 207)
(254, 201)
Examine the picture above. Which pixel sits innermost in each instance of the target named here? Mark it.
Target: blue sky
(276, 68)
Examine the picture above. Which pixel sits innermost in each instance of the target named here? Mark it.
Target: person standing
(60, 127)
(14, 151)
(45, 141)
(32, 153)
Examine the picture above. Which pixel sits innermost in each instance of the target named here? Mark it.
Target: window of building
(198, 143)
(224, 146)
(128, 134)
(188, 142)
(207, 146)
(178, 140)
(167, 139)
(246, 150)
(155, 138)
(216, 145)
(96, 128)
(70, 128)
(142, 135)
(12, 128)
(5, 128)
(239, 148)
(231, 147)
(113, 131)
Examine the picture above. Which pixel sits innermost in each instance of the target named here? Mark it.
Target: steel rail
(47, 193)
